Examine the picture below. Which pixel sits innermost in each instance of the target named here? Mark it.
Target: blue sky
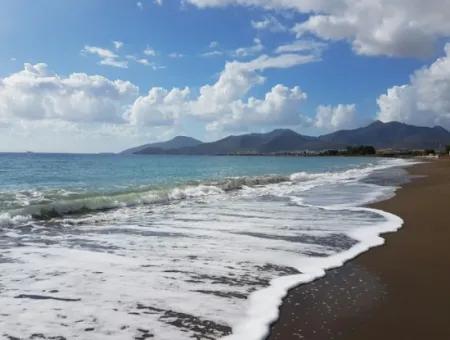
(166, 45)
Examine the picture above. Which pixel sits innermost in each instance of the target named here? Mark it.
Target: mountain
(275, 141)
(381, 135)
(174, 143)
(393, 135)
(290, 141)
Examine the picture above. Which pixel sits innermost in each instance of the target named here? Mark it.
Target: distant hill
(378, 134)
(174, 143)
(391, 135)
(249, 143)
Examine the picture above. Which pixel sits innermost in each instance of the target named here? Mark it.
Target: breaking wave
(70, 203)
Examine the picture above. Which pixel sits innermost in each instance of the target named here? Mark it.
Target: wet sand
(398, 291)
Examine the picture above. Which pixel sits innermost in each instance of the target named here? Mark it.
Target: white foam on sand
(264, 304)
(199, 267)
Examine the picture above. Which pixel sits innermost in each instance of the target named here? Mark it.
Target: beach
(153, 249)
(396, 291)
(199, 256)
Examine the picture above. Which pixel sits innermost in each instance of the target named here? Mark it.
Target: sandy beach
(397, 291)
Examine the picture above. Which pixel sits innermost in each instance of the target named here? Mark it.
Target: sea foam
(211, 260)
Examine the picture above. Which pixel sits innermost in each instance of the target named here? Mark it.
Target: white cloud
(393, 28)
(256, 48)
(280, 106)
(332, 118)
(143, 61)
(160, 107)
(158, 2)
(270, 23)
(425, 100)
(224, 104)
(118, 44)
(213, 44)
(382, 27)
(240, 52)
(101, 52)
(140, 5)
(114, 63)
(237, 79)
(35, 93)
(92, 109)
(214, 50)
(175, 55)
(300, 5)
(44, 111)
(107, 57)
(150, 52)
(214, 53)
(313, 46)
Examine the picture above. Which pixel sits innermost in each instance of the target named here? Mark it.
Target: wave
(6, 220)
(263, 304)
(78, 204)
(182, 249)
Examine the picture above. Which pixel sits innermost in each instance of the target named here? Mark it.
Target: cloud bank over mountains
(36, 98)
(35, 95)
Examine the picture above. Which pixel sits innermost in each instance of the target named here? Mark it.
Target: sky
(102, 76)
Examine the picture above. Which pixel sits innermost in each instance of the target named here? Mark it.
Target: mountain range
(174, 143)
(391, 135)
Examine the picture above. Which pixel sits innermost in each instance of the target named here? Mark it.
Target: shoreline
(396, 291)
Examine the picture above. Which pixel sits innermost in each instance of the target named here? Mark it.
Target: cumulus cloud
(237, 79)
(280, 106)
(383, 27)
(37, 98)
(107, 57)
(35, 93)
(393, 28)
(269, 23)
(160, 107)
(331, 118)
(425, 100)
(224, 104)
(256, 48)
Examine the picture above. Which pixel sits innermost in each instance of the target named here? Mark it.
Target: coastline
(397, 291)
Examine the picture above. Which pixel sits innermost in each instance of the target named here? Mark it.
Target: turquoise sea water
(37, 178)
(175, 247)
(28, 171)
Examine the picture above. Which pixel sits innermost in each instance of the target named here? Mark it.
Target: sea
(176, 247)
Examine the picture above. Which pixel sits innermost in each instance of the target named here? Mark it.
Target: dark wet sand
(400, 291)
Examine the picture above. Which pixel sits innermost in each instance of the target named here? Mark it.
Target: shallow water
(174, 247)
